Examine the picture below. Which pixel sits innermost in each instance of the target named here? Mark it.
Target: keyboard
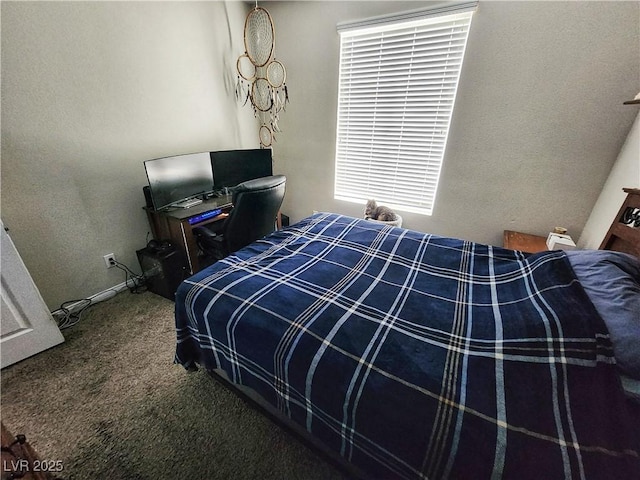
(188, 203)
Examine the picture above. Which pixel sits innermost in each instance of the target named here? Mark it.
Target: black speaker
(147, 196)
(163, 269)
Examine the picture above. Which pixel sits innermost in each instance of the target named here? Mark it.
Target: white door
(27, 325)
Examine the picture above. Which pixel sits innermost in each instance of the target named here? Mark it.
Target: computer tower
(163, 267)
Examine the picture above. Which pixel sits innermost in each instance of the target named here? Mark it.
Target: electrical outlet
(110, 260)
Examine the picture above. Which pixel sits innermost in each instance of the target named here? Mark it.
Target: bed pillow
(612, 282)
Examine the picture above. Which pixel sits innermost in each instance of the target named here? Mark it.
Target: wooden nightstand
(524, 242)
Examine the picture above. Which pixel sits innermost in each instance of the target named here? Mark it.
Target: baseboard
(96, 298)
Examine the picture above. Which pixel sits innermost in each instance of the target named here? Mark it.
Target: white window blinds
(397, 88)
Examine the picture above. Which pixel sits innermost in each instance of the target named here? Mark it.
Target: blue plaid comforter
(416, 356)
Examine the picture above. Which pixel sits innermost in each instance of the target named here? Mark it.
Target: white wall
(92, 89)
(625, 173)
(537, 125)
(89, 91)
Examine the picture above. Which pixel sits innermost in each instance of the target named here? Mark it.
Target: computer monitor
(232, 167)
(173, 179)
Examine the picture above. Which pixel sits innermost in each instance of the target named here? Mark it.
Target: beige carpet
(110, 404)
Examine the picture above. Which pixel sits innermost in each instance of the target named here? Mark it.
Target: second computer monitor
(232, 167)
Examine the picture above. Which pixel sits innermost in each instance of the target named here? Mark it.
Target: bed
(407, 355)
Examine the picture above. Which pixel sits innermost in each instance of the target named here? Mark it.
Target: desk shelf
(173, 225)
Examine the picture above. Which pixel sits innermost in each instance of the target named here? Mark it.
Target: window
(397, 87)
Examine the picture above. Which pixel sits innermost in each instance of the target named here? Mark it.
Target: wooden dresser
(624, 233)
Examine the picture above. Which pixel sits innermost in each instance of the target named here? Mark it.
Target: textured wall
(537, 125)
(625, 173)
(89, 91)
(92, 89)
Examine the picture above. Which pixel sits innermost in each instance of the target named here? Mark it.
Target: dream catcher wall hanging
(261, 78)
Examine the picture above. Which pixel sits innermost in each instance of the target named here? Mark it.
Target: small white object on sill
(394, 223)
(557, 241)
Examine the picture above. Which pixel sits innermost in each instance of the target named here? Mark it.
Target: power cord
(70, 318)
(70, 312)
(138, 281)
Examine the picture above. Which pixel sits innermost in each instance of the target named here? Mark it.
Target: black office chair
(255, 207)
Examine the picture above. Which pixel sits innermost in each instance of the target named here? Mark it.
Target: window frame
(352, 137)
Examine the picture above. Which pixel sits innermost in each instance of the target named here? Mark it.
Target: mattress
(416, 356)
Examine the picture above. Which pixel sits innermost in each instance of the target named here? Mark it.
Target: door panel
(27, 325)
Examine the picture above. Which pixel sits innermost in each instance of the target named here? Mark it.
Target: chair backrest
(255, 206)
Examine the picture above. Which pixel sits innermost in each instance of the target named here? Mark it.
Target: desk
(524, 242)
(174, 225)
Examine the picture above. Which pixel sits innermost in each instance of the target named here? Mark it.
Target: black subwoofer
(163, 269)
